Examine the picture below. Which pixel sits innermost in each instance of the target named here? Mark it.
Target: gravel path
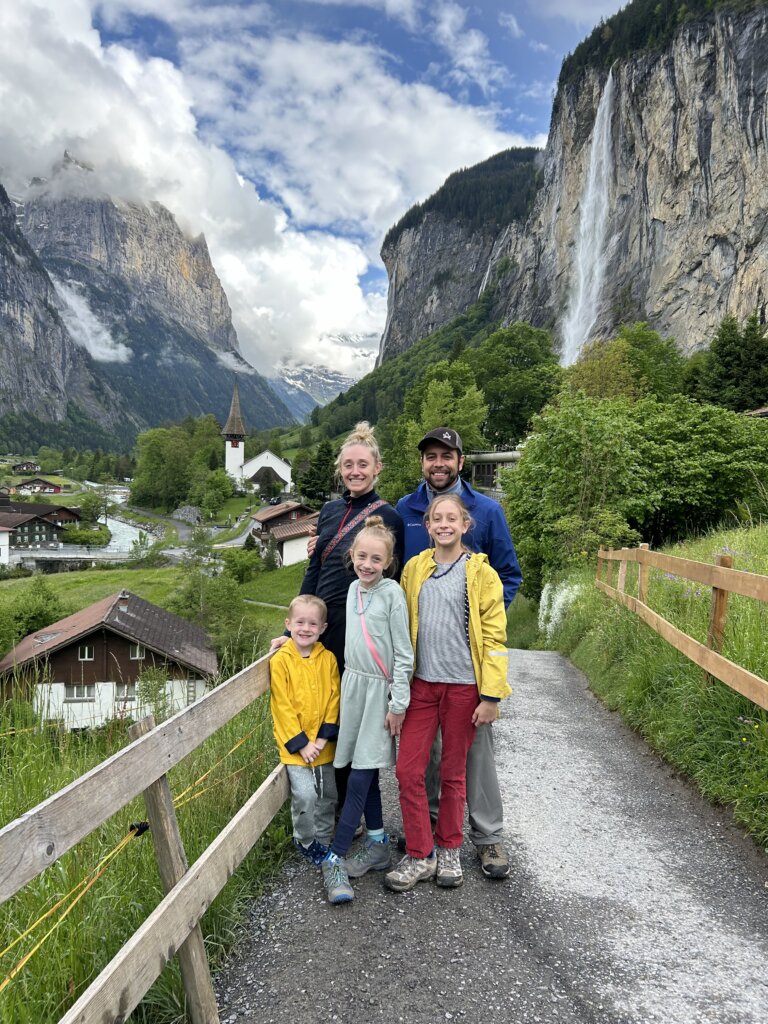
(631, 899)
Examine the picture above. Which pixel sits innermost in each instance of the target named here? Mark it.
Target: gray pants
(486, 814)
(313, 802)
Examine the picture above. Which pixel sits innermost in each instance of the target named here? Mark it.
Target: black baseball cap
(442, 435)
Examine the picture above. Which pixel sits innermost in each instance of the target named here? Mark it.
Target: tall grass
(37, 762)
(703, 728)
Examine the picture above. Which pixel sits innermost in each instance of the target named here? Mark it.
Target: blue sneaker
(314, 853)
(336, 881)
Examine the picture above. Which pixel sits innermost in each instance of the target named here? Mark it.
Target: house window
(85, 652)
(125, 691)
(136, 652)
(79, 691)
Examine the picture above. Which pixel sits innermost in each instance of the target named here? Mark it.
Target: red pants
(450, 706)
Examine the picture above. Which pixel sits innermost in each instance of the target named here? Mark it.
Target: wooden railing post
(718, 609)
(600, 562)
(622, 584)
(172, 865)
(642, 579)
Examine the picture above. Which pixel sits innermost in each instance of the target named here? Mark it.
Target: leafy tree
(518, 373)
(603, 370)
(270, 555)
(637, 362)
(242, 564)
(305, 436)
(162, 476)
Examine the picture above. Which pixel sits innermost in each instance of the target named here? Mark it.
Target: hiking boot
(409, 871)
(494, 862)
(336, 882)
(315, 853)
(449, 874)
(370, 856)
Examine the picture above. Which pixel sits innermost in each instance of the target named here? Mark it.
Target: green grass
(522, 623)
(35, 764)
(277, 587)
(702, 727)
(79, 589)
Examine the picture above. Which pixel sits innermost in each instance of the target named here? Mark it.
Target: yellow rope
(14, 732)
(178, 803)
(93, 875)
(205, 775)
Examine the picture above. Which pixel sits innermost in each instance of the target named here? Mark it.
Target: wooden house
(85, 668)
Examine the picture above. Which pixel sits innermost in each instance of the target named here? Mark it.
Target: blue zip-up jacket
(489, 535)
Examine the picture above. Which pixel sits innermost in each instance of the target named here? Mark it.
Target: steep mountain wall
(685, 198)
(42, 369)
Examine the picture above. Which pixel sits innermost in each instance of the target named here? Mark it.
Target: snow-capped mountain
(302, 386)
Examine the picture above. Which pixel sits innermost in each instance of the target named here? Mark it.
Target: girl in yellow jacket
(458, 629)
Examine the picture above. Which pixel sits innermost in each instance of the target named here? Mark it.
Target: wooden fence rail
(38, 838)
(723, 580)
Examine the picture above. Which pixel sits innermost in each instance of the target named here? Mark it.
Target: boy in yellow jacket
(305, 718)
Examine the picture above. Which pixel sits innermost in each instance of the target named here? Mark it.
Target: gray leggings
(313, 801)
(486, 814)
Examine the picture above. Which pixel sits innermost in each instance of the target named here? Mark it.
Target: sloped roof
(131, 617)
(14, 519)
(234, 427)
(296, 528)
(271, 511)
(39, 508)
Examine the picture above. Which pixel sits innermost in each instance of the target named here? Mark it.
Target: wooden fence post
(172, 865)
(718, 609)
(642, 579)
(600, 563)
(622, 584)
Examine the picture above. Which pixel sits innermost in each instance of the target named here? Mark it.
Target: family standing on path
(447, 620)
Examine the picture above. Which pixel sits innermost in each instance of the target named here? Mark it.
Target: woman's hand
(394, 723)
(312, 542)
(485, 713)
(277, 643)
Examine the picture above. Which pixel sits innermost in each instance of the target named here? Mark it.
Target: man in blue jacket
(442, 460)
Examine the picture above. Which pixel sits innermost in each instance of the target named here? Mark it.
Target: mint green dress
(366, 696)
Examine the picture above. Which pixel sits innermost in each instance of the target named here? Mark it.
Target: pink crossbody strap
(375, 654)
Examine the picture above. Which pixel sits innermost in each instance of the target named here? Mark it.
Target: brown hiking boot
(494, 861)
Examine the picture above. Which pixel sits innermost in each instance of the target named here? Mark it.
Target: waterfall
(590, 258)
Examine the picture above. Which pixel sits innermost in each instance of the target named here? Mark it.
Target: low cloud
(579, 12)
(511, 24)
(85, 328)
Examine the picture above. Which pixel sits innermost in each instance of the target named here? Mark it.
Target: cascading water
(590, 257)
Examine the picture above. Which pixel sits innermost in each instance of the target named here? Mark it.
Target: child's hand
(310, 752)
(484, 713)
(320, 743)
(277, 643)
(394, 723)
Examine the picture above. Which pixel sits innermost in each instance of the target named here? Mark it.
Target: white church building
(265, 466)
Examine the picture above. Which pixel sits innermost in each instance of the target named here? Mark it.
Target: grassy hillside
(703, 728)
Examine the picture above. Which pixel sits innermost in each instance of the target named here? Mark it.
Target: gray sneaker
(449, 874)
(336, 882)
(409, 871)
(494, 861)
(369, 856)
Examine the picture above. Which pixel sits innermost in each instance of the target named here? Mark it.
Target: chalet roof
(234, 427)
(14, 519)
(131, 617)
(272, 511)
(296, 528)
(39, 508)
(37, 480)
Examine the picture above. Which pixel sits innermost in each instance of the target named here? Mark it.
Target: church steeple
(234, 428)
(234, 432)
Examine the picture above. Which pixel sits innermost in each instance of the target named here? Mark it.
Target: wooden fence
(721, 578)
(38, 838)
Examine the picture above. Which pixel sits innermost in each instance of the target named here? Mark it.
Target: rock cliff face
(683, 197)
(119, 316)
(42, 368)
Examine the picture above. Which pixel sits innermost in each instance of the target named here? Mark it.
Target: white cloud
(466, 47)
(406, 11)
(511, 24)
(85, 328)
(540, 47)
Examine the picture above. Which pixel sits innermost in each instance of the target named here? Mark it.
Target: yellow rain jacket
(305, 701)
(487, 617)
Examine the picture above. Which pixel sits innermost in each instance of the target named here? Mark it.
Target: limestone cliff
(683, 197)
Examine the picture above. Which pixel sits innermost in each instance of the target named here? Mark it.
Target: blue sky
(293, 133)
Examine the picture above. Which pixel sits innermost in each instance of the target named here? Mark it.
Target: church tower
(234, 432)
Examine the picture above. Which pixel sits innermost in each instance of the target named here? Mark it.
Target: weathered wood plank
(733, 675)
(735, 581)
(122, 984)
(34, 841)
(718, 610)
